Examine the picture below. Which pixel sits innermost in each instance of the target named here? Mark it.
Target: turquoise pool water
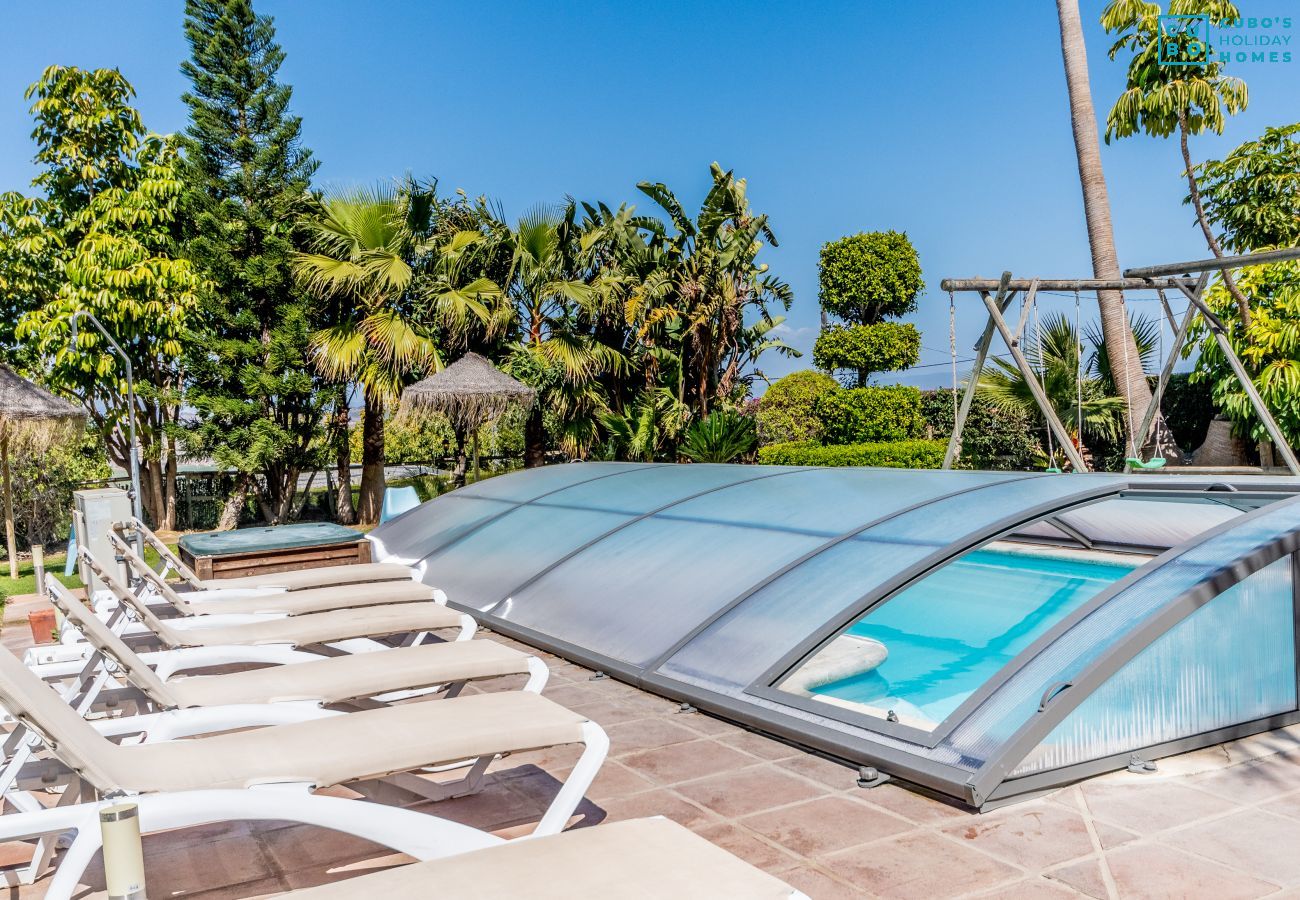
(952, 631)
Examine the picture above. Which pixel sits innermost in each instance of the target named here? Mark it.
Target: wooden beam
(981, 352)
(1040, 396)
(1215, 265)
(11, 543)
(1066, 284)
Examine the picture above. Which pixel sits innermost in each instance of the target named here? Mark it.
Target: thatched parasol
(470, 392)
(33, 419)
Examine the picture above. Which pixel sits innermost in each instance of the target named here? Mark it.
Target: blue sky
(947, 121)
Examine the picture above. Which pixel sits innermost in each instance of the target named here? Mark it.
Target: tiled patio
(1223, 822)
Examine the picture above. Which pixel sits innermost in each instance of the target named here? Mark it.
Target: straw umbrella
(470, 392)
(33, 419)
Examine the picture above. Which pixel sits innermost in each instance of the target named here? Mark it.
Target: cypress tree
(257, 405)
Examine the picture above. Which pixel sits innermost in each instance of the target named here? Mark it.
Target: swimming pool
(953, 630)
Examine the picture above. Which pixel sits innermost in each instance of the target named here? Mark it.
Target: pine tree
(257, 405)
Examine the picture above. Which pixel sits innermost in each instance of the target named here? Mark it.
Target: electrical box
(93, 513)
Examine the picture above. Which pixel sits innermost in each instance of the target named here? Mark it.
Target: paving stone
(825, 825)
(832, 774)
(1252, 782)
(911, 805)
(647, 733)
(607, 713)
(819, 885)
(686, 761)
(1032, 835)
(659, 802)
(743, 843)
(918, 864)
(1112, 836)
(1154, 872)
(1250, 840)
(304, 847)
(1033, 888)
(613, 780)
(1149, 808)
(762, 747)
(737, 794)
(1085, 877)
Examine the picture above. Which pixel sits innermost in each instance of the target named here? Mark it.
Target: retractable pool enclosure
(979, 634)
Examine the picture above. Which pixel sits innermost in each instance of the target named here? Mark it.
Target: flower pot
(42, 624)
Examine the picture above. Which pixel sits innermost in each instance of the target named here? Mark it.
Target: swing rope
(952, 350)
(1135, 459)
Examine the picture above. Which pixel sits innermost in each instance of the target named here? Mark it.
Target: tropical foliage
(720, 437)
(1253, 193)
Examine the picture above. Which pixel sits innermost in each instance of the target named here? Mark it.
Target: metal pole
(1247, 385)
(981, 352)
(1031, 380)
(133, 456)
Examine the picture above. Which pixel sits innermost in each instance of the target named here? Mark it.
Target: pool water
(952, 631)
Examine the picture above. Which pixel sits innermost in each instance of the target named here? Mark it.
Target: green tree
(110, 210)
(257, 408)
(1269, 345)
(1189, 98)
(362, 265)
(1253, 193)
(866, 279)
(785, 411)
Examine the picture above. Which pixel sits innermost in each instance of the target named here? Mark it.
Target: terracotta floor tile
(185, 871)
(1112, 836)
(646, 734)
(743, 843)
(832, 774)
(613, 780)
(1031, 835)
(1249, 840)
(1252, 782)
(913, 806)
(1150, 808)
(825, 825)
(819, 885)
(303, 847)
(1154, 872)
(736, 794)
(573, 694)
(1033, 888)
(1084, 877)
(762, 747)
(919, 864)
(659, 802)
(686, 761)
(607, 713)
(710, 725)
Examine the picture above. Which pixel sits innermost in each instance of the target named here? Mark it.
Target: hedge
(785, 411)
(859, 415)
(993, 438)
(883, 347)
(888, 454)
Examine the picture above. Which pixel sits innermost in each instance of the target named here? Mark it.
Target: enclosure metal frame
(1145, 278)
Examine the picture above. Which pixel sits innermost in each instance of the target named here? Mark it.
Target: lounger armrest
(181, 723)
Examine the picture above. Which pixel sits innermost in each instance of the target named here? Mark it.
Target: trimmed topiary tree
(861, 415)
(864, 280)
(785, 411)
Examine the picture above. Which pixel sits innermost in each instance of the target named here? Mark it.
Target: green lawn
(25, 583)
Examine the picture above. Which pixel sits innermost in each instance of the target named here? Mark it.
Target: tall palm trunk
(344, 512)
(1194, 191)
(1126, 365)
(372, 459)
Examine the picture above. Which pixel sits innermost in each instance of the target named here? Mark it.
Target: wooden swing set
(998, 294)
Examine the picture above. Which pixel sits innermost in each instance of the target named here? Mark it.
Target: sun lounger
(371, 751)
(303, 579)
(633, 860)
(332, 680)
(291, 603)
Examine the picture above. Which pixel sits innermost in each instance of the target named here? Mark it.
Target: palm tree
(703, 280)
(1119, 340)
(1081, 389)
(1187, 98)
(364, 248)
(555, 289)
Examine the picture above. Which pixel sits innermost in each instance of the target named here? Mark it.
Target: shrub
(858, 415)
(889, 454)
(785, 411)
(868, 277)
(1188, 409)
(883, 347)
(43, 484)
(719, 437)
(993, 438)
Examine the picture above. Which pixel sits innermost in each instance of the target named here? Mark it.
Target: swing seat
(1052, 470)
(1156, 462)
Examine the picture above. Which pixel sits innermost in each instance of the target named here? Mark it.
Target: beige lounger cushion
(358, 675)
(296, 603)
(641, 859)
(338, 749)
(323, 576)
(316, 628)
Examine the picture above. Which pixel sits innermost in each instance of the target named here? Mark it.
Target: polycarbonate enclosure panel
(1018, 698)
(842, 580)
(529, 484)
(1139, 521)
(431, 526)
(655, 487)
(489, 564)
(918, 656)
(1231, 661)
